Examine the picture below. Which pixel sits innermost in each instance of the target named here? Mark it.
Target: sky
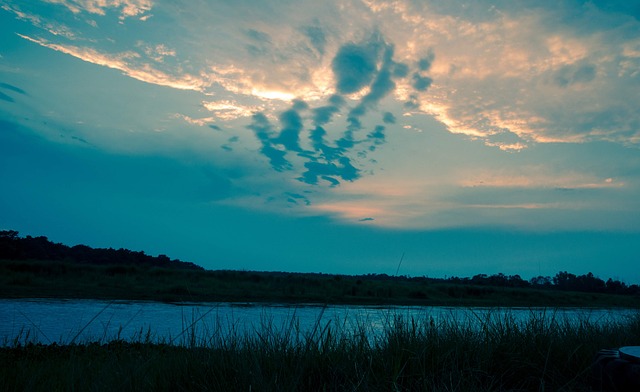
(424, 138)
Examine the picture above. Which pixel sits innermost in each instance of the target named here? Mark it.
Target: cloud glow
(345, 104)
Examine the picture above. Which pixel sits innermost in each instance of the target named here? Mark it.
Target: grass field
(57, 279)
(540, 353)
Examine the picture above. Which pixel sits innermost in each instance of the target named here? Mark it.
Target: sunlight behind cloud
(350, 107)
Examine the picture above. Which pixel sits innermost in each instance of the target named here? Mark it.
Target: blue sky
(332, 136)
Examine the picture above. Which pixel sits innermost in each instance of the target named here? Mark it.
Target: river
(79, 321)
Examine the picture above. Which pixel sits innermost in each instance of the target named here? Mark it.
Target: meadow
(540, 353)
(62, 279)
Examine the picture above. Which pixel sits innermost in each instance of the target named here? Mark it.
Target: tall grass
(543, 352)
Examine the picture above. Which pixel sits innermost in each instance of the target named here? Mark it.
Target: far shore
(65, 280)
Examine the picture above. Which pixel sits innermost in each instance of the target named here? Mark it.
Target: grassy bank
(502, 354)
(59, 279)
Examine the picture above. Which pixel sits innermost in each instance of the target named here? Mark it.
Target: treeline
(564, 281)
(14, 247)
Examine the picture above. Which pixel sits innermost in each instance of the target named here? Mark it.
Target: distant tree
(12, 247)
(541, 281)
(615, 286)
(8, 235)
(564, 280)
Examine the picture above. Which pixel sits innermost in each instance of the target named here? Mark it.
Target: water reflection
(79, 321)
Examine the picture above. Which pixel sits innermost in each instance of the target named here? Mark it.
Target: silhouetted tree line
(563, 280)
(14, 247)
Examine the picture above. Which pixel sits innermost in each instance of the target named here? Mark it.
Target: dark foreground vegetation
(33, 267)
(494, 354)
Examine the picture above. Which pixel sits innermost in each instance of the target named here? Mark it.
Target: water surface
(80, 321)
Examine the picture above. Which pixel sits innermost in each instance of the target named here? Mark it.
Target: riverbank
(58, 279)
(447, 355)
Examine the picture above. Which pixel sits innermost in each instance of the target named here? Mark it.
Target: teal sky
(333, 136)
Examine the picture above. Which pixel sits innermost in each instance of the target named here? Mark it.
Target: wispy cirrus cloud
(127, 8)
(124, 62)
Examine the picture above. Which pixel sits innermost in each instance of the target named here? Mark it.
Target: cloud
(307, 96)
(125, 62)
(128, 8)
(330, 171)
(229, 110)
(328, 160)
(421, 83)
(290, 133)
(424, 64)
(264, 131)
(54, 28)
(10, 87)
(574, 73)
(6, 98)
(559, 73)
(316, 37)
(260, 44)
(389, 118)
(354, 67)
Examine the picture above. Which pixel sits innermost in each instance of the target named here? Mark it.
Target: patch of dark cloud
(7, 86)
(383, 83)
(299, 105)
(412, 103)
(321, 146)
(377, 136)
(331, 180)
(215, 127)
(297, 198)
(421, 83)
(354, 67)
(258, 36)
(573, 74)
(380, 87)
(231, 140)
(366, 219)
(328, 171)
(316, 37)
(79, 139)
(337, 100)
(5, 97)
(326, 161)
(400, 70)
(324, 114)
(424, 64)
(289, 136)
(263, 130)
(260, 42)
(389, 118)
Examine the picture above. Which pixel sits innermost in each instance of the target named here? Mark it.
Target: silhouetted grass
(489, 353)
